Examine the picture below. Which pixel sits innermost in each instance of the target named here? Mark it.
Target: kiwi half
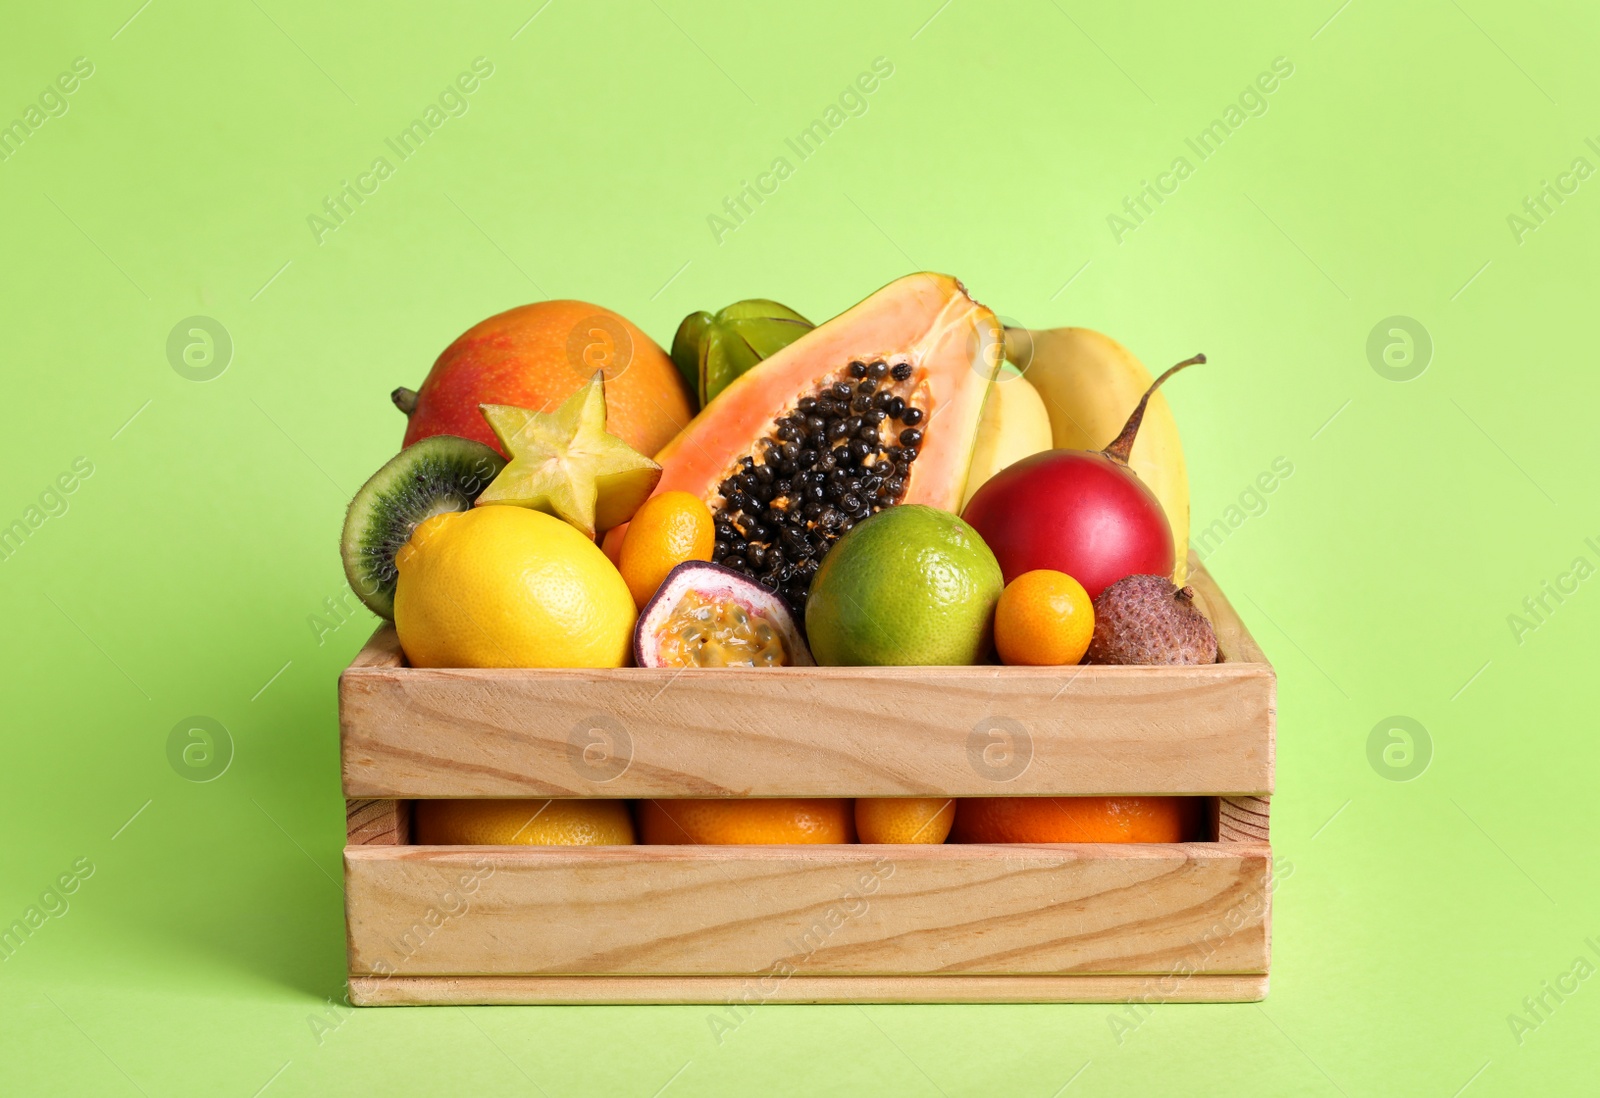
(438, 474)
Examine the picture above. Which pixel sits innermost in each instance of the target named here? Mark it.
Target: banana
(1090, 384)
(1015, 425)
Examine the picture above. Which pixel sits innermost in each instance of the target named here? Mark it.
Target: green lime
(910, 586)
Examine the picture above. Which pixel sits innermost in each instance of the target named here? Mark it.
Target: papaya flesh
(878, 406)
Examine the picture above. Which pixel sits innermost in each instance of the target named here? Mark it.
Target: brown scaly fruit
(1150, 620)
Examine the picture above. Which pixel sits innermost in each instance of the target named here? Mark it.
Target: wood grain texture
(962, 731)
(1243, 819)
(377, 823)
(381, 650)
(1234, 642)
(819, 910)
(749, 993)
(1235, 645)
(811, 732)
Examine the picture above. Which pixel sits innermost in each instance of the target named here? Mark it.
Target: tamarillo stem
(1122, 445)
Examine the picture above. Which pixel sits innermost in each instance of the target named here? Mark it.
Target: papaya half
(879, 406)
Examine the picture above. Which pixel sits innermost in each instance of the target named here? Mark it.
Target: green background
(182, 576)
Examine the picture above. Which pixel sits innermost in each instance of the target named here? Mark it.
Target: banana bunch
(1015, 424)
(1088, 383)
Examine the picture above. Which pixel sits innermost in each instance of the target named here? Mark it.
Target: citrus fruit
(904, 819)
(669, 529)
(505, 586)
(536, 356)
(911, 585)
(523, 823)
(1044, 619)
(731, 822)
(1075, 819)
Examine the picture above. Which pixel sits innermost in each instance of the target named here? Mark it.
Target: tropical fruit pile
(881, 489)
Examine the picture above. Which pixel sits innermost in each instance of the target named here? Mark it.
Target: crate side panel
(1234, 642)
(822, 910)
(964, 731)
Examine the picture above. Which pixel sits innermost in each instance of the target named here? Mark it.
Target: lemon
(501, 586)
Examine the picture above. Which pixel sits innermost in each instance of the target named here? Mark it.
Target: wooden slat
(381, 650)
(960, 731)
(824, 910)
(749, 992)
(1242, 819)
(1236, 645)
(1234, 642)
(377, 823)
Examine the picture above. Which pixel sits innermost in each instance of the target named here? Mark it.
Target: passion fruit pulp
(705, 615)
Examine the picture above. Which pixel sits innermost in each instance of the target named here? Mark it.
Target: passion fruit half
(705, 615)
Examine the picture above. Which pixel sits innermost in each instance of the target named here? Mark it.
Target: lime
(911, 585)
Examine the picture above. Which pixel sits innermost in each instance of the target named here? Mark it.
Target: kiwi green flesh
(438, 474)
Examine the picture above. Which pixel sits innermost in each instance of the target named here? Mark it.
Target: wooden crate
(955, 923)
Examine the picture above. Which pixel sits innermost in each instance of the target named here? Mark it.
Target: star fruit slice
(565, 464)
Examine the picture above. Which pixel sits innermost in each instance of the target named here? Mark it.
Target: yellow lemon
(523, 823)
(502, 586)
